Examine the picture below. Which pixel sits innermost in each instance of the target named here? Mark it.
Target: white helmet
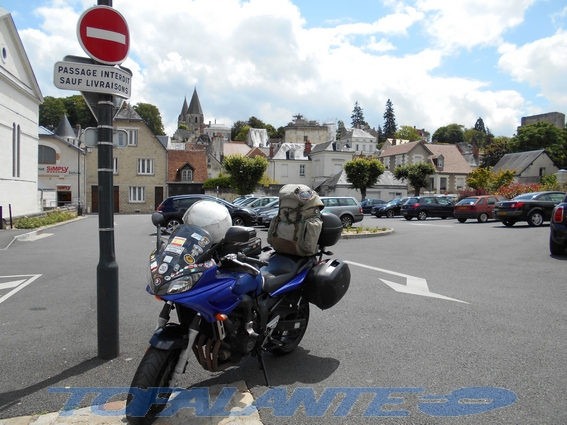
(211, 216)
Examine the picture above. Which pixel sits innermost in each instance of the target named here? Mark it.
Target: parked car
(533, 207)
(479, 207)
(241, 198)
(246, 201)
(261, 202)
(269, 206)
(173, 208)
(427, 206)
(265, 218)
(558, 229)
(391, 209)
(344, 207)
(367, 204)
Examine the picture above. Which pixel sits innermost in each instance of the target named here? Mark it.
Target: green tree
(479, 126)
(236, 128)
(151, 116)
(340, 128)
(78, 111)
(241, 136)
(390, 127)
(417, 175)
(495, 151)
(183, 127)
(357, 117)
(254, 122)
(245, 173)
(51, 111)
(452, 133)
(362, 173)
(542, 135)
(381, 138)
(407, 132)
(484, 180)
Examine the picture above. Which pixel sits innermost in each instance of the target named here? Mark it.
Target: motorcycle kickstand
(263, 366)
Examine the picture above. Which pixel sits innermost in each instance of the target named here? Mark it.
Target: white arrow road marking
(106, 35)
(25, 283)
(414, 285)
(8, 285)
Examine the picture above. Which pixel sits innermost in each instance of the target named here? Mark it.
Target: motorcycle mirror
(157, 219)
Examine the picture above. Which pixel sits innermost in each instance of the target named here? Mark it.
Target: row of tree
(53, 109)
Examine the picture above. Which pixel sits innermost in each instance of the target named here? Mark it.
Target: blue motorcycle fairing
(216, 293)
(169, 338)
(292, 285)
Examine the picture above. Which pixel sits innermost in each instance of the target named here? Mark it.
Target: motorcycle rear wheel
(291, 339)
(155, 371)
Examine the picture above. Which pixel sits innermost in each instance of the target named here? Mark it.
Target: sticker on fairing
(189, 259)
(163, 268)
(167, 259)
(178, 241)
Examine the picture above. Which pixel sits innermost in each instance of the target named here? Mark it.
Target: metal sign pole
(107, 269)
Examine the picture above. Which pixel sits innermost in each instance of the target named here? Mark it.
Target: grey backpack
(296, 228)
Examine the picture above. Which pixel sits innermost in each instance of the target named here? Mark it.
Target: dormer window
(440, 161)
(187, 174)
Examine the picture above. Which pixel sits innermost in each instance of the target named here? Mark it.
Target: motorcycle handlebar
(251, 260)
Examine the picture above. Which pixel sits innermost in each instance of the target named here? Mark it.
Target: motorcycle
(231, 300)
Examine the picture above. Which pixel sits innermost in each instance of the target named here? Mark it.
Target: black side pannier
(327, 283)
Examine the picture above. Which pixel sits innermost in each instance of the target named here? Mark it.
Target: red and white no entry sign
(103, 34)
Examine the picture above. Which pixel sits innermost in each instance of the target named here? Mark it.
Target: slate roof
(453, 160)
(64, 129)
(195, 105)
(128, 113)
(519, 161)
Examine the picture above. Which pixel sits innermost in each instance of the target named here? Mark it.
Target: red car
(479, 207)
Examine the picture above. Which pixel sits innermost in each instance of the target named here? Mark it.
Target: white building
(20, 98)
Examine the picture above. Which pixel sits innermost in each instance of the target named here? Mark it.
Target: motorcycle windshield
(187, 250)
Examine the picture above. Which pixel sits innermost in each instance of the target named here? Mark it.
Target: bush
(52, 217)
(514, 189)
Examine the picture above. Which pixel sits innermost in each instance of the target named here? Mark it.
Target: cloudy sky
(438, 61)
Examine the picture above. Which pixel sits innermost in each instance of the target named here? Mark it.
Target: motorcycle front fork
(184, 355)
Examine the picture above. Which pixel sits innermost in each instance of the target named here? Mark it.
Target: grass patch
(360, 230)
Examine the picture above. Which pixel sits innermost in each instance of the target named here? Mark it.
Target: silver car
(345, 207)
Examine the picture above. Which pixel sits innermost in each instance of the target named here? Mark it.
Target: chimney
(393, 142)
(307, 147)
(271, 150)
(475, 151)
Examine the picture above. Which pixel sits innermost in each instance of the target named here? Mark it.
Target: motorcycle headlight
(184, 283)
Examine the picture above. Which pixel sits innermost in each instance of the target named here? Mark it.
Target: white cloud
(257, 58)
(470, 23)
(541, 64)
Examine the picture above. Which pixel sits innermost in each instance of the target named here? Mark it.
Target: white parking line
(18, 285)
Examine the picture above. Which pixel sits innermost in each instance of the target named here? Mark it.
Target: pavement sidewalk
(87, 415)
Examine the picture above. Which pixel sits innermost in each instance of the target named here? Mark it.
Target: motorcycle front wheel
(291, 339)
(155, 371)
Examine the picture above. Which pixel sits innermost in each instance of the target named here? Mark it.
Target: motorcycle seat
(281, 269)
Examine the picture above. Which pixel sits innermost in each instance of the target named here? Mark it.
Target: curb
(367, 235)
(32, 234)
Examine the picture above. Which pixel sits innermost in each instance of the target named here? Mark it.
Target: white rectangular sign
(92, 78)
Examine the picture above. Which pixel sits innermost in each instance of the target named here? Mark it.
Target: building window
(137, 194)
(46, 155)
(302, 170)
(417, 159)
(284, 170)
(145, 166)
(115, 166)
(15, 150)
(132, 136)
(187, 175)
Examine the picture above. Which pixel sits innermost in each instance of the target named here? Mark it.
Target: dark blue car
(558, 229)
